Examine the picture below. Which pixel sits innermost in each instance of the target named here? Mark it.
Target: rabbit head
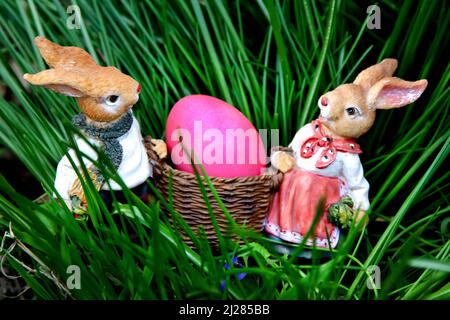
(349, 110)
(103, 94)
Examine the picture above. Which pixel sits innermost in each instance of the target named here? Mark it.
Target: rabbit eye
(111, 100)
(353, 111)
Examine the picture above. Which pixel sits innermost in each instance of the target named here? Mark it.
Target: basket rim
(264, 176)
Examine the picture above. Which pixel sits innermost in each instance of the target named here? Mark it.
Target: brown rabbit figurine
(105, 97)
(325, 162)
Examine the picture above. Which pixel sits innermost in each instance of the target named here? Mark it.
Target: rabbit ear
(394, 92)
(61, 81)
(368, 77)
(58, 56)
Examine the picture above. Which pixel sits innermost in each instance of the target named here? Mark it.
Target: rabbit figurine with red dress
(325, 164)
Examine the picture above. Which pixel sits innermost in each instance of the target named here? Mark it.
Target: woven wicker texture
(246, 198)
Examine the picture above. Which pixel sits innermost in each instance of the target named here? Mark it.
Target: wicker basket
(246, 198)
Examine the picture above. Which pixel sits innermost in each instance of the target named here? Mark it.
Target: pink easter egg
(215, 134)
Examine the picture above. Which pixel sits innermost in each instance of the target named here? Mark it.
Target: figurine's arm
(353, 174)
(67, 183)
(65, 176)
(158, 145)
(300, 137)
(284, 161)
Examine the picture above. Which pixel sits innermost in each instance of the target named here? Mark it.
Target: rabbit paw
(283, 161)
(160, 148)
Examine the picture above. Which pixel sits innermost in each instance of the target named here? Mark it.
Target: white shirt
(134, 169)
(347, 167)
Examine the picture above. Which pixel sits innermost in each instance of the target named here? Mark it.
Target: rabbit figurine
(325, 163)
(105, 97)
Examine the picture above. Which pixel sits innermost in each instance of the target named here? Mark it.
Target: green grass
(272, 60)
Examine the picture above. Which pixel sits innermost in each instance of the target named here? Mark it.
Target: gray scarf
(108, 136)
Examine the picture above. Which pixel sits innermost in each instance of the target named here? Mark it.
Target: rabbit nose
(139, 88)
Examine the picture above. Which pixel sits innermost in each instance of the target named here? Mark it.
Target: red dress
(297, 202)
